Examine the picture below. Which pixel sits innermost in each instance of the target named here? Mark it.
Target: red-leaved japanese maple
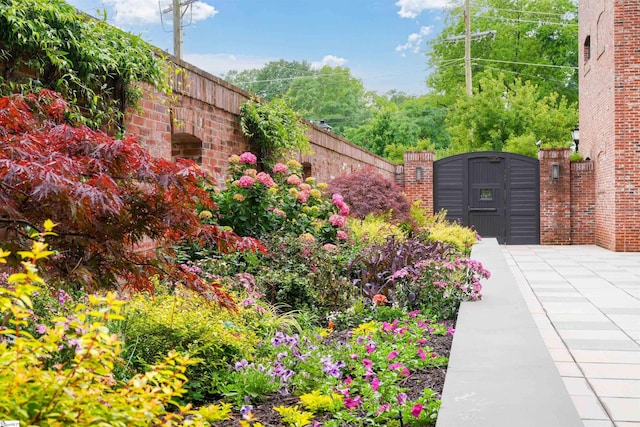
(108, 196)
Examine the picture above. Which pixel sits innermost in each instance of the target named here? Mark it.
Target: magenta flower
(414, 313)
(450, 331)
(354, 356)
(370, 348)
(394, 366)
(375, 383)
(367, 363)
(280, 168)
(248, 158)
(246, 182)
(422, 354)
(351, 403)
(392, 355)
(415, 411)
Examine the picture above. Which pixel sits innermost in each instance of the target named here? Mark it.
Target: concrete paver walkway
(585, 301)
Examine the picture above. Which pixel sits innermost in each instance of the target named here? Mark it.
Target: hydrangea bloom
(337, 220)
(246, 182)
(248, 158)
(294, 180)
(280, 168)
(265, 179)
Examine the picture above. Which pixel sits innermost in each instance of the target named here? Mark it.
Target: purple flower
(241, 365)
(402, 397)
(246, 409)
(450, 331)
(41, 329)
(381, 409)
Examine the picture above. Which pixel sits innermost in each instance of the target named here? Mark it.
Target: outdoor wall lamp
(575, 134)
(555, 171)
(419, 174)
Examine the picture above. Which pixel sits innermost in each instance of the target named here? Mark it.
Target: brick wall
(417, 177)
(205, 109)
(583, 198)
(609, 67)
(555, 197)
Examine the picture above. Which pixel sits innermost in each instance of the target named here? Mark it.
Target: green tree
(509, 116)
(400, 123)
(531, 39)
(334, 96)
(273, 80)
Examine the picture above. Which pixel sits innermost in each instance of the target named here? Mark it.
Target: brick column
(418, 177)
(555, 197)
(583, 203)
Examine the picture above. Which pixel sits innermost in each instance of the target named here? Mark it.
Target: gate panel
(497, 193)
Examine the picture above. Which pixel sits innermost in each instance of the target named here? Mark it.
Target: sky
(382, 42)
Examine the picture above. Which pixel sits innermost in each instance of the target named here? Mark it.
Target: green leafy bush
(187, 323)
(275, 128)
(374, 229)
(82, 391)
(437, 228)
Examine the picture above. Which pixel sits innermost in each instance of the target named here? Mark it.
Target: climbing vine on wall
(275, 128)
(49, 44)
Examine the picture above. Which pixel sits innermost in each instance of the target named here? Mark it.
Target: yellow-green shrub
(374, 229)
(83, 391)
(438, 228)
(186, 322)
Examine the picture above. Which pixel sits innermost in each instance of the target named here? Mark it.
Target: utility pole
(467, 46)
(177, 29)
(176, 9)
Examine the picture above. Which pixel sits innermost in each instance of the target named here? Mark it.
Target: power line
(501, 18)
(522, 11)
(527, 63)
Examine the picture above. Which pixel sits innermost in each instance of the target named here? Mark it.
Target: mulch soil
(432, 378)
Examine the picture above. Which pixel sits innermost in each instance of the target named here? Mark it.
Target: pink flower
(248, 158)
(280, 168)
(415, 411)
(303, 196)
(414, 313)
(246, 181)
(294, 180)
(371, 348)
(330, 248)
(347, 381)
(304, 187)
(251, 172)
(375, 384)
(341, 235)
(382, 409)
(41, 329)
(395, 366)
(265, 179)
(368, 363)
(405, 372)
(351, 403)
(392, 355)
(450, 331)
(421, 353)
(337, 220)
(354, 356)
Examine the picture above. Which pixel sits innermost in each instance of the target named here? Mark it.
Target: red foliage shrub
(367, 191)
(107, 195)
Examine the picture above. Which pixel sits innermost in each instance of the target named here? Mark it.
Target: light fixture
(419, 174)
(555, 171)
(575, 134)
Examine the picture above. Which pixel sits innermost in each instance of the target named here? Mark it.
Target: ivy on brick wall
(277, 129)
(49, 44)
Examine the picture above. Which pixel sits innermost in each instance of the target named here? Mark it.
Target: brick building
(609, 67)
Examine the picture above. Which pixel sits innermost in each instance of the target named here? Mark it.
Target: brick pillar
(583, 203)
(418, 177)
(555, 197)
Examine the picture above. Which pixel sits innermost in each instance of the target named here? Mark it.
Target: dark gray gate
(497, 193)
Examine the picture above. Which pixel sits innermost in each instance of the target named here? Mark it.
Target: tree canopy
(532, 40)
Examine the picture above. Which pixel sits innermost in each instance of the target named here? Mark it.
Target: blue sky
(382, 42)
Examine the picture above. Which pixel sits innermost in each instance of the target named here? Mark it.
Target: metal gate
(497, 193)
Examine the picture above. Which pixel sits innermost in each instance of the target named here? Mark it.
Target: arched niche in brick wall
(307, 170)
(186, 146)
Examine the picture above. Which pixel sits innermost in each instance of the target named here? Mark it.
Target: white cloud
(139, 12)
(330, 60)
(413, 8)
(414, 41)
(221, 63)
